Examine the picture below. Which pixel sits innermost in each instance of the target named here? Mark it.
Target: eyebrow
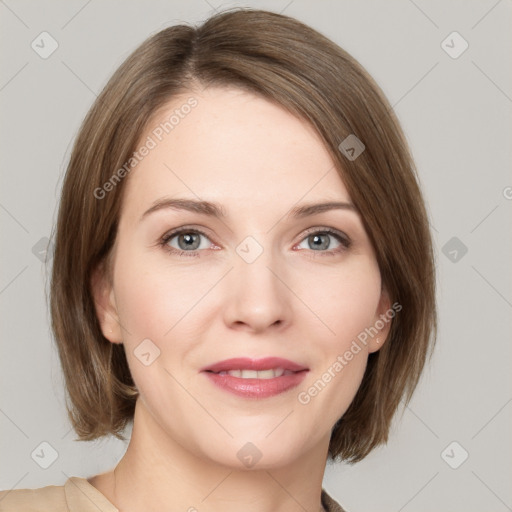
(215, 210)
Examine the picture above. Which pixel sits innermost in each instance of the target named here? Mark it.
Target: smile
(253, 374)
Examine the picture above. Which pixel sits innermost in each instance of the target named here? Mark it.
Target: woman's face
(258, 281)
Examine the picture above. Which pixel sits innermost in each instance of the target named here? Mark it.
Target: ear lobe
(105, 305)
(382, 322)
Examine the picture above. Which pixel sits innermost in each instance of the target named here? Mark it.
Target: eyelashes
(319, 237)
(182, 231)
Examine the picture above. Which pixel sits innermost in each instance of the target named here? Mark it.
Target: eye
(188, 242)
(320, 240)
(185, 242)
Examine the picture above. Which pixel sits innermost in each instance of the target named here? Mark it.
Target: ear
(381, 322)
(105, 305)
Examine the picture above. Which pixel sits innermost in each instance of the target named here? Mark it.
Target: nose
(256, 295)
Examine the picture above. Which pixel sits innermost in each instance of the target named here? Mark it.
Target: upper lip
(245, 363)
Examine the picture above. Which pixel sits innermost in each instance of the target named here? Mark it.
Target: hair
(294, 66)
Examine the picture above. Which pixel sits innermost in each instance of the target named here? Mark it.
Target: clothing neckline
(82, 495)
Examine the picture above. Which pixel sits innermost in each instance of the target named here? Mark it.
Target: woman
(243, 268)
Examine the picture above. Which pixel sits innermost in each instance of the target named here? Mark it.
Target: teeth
(253, 374)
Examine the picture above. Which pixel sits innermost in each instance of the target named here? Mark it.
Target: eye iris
(317, 241)
(191, 241)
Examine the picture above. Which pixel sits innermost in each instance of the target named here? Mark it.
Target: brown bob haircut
(292, 65)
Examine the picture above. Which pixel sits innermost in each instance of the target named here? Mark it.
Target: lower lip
(257, 388)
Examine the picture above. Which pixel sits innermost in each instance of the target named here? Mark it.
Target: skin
(293, 301)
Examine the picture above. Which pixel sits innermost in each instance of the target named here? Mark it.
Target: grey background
(456, 114)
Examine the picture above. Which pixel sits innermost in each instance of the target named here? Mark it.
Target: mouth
(254, 374)
(265, 368)
(251, 378)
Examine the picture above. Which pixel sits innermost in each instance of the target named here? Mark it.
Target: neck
(158, 473)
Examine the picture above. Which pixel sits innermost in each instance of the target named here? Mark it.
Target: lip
(245, 363)
(255, 388)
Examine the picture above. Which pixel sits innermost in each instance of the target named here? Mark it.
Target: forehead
(235, 148)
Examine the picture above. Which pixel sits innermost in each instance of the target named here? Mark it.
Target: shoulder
(329, 504)
(76, 495)
(45, 499)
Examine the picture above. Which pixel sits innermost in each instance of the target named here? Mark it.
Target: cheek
(340, 355)
(156, 303)
(345, 301)
(150, 298)
(145, 309)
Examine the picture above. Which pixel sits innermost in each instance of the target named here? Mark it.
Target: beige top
(78, 495)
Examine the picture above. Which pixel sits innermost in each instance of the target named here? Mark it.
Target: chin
(255, 453)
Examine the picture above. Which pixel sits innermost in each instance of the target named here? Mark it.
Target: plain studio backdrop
(445, 68)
